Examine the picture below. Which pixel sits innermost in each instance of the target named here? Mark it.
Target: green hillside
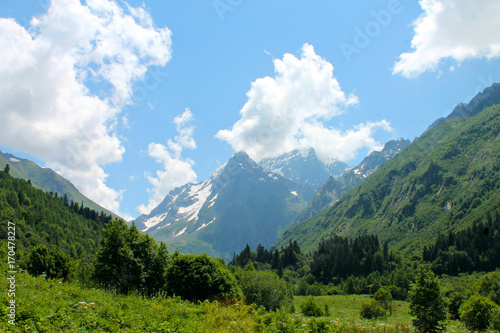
(47, 180)
(43, 219)
(444, 181)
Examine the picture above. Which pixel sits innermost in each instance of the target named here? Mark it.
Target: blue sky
(130, 99)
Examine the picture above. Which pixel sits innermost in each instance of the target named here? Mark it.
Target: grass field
(345, 312)
(52, 306)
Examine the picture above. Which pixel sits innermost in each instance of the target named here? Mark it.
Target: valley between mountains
(414, 224)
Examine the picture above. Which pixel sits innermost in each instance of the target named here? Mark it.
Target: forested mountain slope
(47, 180)
(445, 180)
(43, 219)
(334, 189)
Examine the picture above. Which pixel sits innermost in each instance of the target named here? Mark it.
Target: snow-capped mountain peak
(303, 166)
(235, 206)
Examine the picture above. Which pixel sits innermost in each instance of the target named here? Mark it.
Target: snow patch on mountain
(179, 233)
(151, 222)
(164, 226)
(199, 193)
(204, 225)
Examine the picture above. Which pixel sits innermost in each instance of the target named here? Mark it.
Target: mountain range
(248, 203)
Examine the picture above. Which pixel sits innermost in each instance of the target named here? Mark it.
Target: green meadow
(54, 306)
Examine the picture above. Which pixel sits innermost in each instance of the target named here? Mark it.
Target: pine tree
(7, 169)
(426, 302)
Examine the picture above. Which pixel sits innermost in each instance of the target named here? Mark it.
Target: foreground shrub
(54, 264)
(384, 298)
(277, 321)
(317, 326)
(310, 308)
(199, 277)
(372, 310)
(265, 289)
(477, 312)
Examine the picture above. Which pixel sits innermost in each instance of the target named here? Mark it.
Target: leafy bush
(384, 298)
(54, 264)
(277, 321)
(477, 312)
(489, 286)
(310, 308)
(265, 289)
(199, 277)
(372, 310)
(315, 325)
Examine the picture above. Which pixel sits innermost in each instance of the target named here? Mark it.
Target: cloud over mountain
(290, 111)
(177, 170)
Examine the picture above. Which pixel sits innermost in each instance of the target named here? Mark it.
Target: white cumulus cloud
(48, 75)
(289, 111)
(452, 29)
(177, 170)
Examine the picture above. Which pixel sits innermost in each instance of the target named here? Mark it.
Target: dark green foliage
(311, 309)
(427, 305)
(489, 286)
(495, 320)
(281, 258)
(199, 277)
(372, 310)
(455, 301)
(384, 298)
(379, 306)
(315, 290)
(48, 181)
(44, 219)
(474, 249)
(7, 169)
(339, 257)
(265, 289)
(128, 260)
(54, 264)
(477, 312)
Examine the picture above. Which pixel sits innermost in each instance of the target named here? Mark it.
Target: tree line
(475, 249)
